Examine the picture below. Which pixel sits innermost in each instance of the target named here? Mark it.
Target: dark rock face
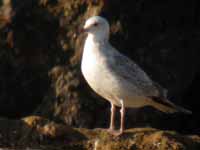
(164, 42)
(26, 49)
(41, 51)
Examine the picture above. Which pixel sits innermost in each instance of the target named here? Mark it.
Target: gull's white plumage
(114, 76)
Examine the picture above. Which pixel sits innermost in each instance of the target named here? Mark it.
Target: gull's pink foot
(115, 132)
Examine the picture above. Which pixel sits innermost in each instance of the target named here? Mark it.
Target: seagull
(117, 78)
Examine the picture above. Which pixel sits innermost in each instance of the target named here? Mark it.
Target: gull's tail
(166, 106)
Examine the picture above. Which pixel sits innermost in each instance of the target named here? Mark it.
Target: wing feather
(130, 72)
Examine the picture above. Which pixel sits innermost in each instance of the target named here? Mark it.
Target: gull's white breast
(96, 72)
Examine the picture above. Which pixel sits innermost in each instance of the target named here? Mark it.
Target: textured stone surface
(35, 132)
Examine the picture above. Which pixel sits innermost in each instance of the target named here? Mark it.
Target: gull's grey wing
(131, 72)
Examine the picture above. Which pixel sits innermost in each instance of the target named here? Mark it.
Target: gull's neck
(98, 39)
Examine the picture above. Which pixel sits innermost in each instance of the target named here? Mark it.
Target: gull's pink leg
(122, 122)
(111, 129)
(112, 117)
(122, 111)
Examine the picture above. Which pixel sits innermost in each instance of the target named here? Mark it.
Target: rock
(35, 132)
(47, 128)
(25, 56)
(141, 138)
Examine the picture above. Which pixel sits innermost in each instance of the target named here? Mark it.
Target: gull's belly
(111, 86)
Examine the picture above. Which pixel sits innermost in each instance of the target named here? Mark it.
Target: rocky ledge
(35, 132)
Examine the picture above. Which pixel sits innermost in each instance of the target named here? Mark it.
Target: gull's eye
(95, 24)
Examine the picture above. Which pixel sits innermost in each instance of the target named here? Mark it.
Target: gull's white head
(98, 27)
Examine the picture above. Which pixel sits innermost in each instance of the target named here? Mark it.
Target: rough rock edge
(41, 133)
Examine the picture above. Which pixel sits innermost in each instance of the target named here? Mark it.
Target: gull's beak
(82, 30)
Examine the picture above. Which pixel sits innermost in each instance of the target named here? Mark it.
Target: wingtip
(183, 110)
(188, 112)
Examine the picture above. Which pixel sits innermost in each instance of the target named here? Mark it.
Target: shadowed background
(40, 52)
